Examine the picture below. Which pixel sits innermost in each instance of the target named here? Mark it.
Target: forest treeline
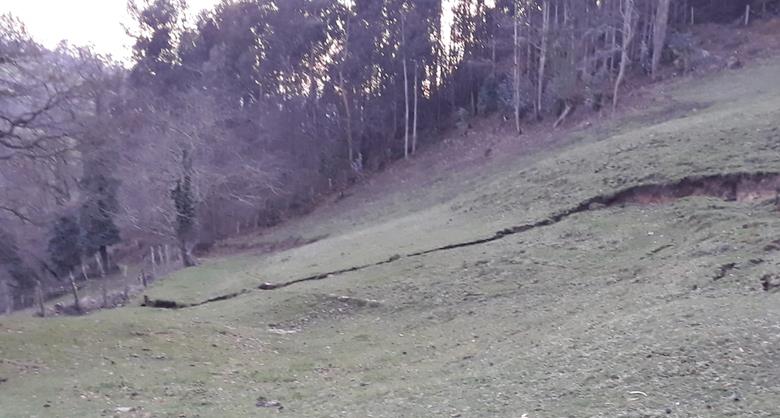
(253, 111)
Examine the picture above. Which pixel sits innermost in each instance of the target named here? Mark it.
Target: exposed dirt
(740, 187)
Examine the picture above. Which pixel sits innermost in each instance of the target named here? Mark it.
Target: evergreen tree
(65, 245)
(184, 202)
(97, 211)
(14, 265)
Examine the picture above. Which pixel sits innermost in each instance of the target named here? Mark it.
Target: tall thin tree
(543, 56)
(414, 123)
(659, 34)
(628, 35)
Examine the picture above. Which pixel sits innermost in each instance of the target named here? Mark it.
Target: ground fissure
(740, 186)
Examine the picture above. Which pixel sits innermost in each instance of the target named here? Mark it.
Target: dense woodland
(255, 111)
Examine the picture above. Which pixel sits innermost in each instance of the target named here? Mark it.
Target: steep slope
(619, 273)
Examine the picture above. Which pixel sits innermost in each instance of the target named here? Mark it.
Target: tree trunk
(542, 56)
(104, 260)
(628, 34)
(104, 293)
(406, 89)
(160, 255)
(493, 57)
(344, 95)
(153, 260)
(611, 58)
(659, 34)
(516, 51)
(348, 115)
(75, 290)
(563, 116)
(406, 114)
(186, 257)
(473, 98)
(99, 262)
(414, 124)
(39, 298)
(8, 301)
(126, 280)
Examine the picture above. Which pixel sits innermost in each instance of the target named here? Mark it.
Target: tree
(184, 201)
(15, 266)
(406, 87)
(516, 69)
(98, 210)
(659, 34)
(65, 246)
(543, 49)
(627, 11)
(416, 107)
(37, 118)
(34, 97)
(160, 23)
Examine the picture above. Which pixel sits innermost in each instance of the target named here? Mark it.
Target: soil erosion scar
(729, 187)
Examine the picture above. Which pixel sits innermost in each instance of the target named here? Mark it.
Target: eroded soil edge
(729, 187)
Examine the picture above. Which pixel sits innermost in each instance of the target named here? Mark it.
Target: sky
(97, 23)
(82, 22)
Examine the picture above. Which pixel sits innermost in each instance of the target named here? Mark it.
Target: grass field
(625, 311)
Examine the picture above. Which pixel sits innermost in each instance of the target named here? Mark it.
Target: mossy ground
(612, 312)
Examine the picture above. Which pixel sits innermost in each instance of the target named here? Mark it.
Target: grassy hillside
(622, 311)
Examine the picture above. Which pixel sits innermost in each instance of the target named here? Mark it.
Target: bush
(686, 54)
(506, 96)
(598, 90)
(488, 99)
(564, 87)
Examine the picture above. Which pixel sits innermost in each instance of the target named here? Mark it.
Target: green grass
(737, 131)
(568, 320)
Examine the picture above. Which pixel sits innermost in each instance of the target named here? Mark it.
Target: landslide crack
(729, 187)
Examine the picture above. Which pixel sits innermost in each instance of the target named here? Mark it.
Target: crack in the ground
(729, 187)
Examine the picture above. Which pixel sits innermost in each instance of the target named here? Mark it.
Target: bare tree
(543, 55)
(406, 88)
(659, 34)
(414, 123)
(345, 93)
(35, 98)
(516, 68)
(627, 12)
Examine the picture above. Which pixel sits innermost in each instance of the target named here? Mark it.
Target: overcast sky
(99, 22)
(81, 22)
